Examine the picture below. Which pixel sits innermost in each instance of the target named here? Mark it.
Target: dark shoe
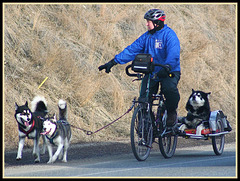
(175, 129)
(171, 118)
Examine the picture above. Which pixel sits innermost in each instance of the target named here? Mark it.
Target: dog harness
(56, 133)
(52, 137)
(29, 131)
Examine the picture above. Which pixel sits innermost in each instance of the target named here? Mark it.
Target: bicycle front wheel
(167, 145)
(141, 134)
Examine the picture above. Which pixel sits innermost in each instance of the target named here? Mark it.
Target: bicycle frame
(145, 127)
(148, 86)
(146, 99)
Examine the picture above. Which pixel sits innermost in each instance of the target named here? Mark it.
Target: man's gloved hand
(163, 72)
(107, 66)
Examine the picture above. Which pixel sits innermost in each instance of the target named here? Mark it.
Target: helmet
(155, 14)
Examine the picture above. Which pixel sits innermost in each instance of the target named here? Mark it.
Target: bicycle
(147, 125)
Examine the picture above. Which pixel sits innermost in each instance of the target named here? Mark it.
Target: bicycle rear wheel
(141, 134)
(218, 141)
(167, 145)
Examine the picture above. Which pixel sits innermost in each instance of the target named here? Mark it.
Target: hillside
(67, 43)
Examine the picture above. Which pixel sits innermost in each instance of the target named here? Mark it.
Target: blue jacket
(163, 45)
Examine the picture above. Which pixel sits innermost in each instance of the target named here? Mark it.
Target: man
(163, 44)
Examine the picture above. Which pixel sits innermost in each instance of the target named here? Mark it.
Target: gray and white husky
(30, 124)
(58, 132)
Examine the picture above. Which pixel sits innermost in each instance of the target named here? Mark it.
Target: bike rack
(218, 134)
(194, 136)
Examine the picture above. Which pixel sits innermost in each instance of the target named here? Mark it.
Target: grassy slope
(66, 43)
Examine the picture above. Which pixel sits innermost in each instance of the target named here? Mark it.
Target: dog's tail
(62, 105)
(39, 104)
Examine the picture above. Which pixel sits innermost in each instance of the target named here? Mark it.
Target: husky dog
(58, 132)
(30, 124)
(198, 110)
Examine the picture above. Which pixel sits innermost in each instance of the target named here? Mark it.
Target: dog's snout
(194, 97)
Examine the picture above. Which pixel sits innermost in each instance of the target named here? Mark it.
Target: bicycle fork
(145, 126)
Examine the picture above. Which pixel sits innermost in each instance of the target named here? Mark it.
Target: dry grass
(67, 42)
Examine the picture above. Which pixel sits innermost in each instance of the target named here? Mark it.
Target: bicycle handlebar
(139, 74)
(129, 74)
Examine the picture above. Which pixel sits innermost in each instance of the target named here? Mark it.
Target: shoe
(171, 118)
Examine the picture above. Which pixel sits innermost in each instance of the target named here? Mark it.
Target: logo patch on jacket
(158, 44)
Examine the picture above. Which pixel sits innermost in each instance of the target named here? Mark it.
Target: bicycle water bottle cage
(143, 63)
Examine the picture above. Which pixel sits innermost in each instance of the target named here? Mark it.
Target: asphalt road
(117, 160)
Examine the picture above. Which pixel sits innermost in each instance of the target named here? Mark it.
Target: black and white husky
(58, 132)
(30, 124)
(198, 110)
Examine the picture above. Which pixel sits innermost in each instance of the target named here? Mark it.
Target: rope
(90, 132)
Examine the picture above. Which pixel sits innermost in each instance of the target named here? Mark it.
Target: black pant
(168, 88)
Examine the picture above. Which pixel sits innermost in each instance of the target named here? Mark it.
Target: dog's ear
(208, 94)
(26, 104)
(193, 90)
(16, 106)
(54, 117)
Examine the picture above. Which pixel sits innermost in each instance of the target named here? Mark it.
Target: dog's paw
(64, 160)
(182, 127)
(50, 161)
(36, 161)
(37, 158)
(18, 158)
